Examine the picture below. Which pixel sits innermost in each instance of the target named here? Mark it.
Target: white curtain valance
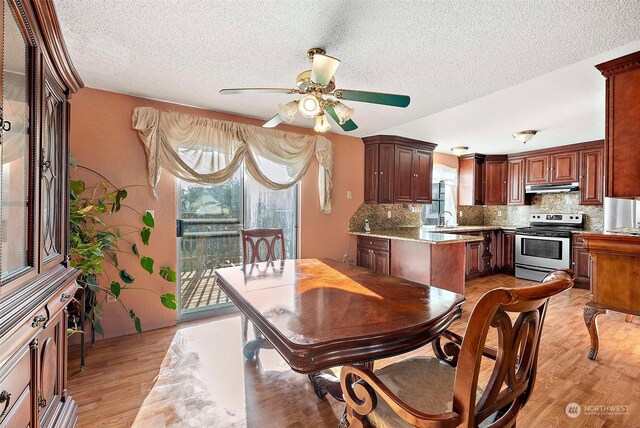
(204, 150)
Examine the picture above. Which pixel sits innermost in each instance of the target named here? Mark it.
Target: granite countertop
(622, 231)
(418, 234)
(453, 229)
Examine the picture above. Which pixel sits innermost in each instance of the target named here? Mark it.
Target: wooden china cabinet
(36, 281)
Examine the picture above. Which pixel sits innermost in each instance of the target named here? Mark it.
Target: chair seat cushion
(424, 383)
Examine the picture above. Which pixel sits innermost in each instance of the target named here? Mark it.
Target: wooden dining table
(320, 313)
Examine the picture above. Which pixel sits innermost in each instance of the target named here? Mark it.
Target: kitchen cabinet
(473, 266)
(405, 175)
(495, 181)
(481, 257)
(580, 262)
(397, 170)
(564, 167)
(507, 251)
(516, 182)
(373, 253)
(471, 185)
(614, 271)
(622, 126)
(553, 168)
(537, 170)
(488, 252)
(378, 173)
(413, 175)
(592, 176)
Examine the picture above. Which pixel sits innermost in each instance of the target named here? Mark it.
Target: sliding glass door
(210, 218)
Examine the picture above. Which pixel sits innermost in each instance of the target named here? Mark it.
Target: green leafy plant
(93, 244)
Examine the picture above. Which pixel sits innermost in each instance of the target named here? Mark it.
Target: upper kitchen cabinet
(516, 182)
(622, 156)
(471, 185)
(564, 167)
(482, 180)
(397, 170)
(552, 168)
(378, 173)
(592, 176)
(495, 183)
(538, 169)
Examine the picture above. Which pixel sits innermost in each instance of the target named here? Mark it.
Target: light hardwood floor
(194, 375)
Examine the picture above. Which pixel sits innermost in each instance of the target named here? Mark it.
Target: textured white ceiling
(442, 53)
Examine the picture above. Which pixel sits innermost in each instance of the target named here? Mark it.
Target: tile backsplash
(401, 216)
(544, 203)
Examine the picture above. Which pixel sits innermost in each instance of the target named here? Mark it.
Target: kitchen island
(615, 268)
(440, 256)
(418, 254)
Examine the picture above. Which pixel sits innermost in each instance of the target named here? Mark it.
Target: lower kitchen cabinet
(474, 260)
(482, 256)
(373, 253)
(580, 263)
(507, 250)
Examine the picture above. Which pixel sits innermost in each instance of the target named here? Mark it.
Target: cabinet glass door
(15, 231)
(52, 178)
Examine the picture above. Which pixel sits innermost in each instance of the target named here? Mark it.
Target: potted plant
(94, 243)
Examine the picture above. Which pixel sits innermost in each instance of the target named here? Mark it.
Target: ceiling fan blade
(258, 91)
(394, 100)
(273, 122)
(349, 125)
(323, 68)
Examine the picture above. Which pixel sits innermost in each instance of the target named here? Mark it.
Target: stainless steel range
(545, 245)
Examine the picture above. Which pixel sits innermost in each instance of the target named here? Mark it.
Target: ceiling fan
(321, 96)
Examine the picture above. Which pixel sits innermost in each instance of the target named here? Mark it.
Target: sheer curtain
(204, 150)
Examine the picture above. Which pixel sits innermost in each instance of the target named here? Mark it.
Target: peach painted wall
(445, 159)
(102, 138)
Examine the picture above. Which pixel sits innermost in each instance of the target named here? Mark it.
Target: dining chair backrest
(516, 357)
(263, 245)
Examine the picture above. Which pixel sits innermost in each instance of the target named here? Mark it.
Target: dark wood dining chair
(444, 391)
(261, 245)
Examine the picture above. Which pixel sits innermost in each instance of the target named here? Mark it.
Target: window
(212, 217)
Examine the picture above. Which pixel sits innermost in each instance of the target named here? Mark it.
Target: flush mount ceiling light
(524, 136)
(459, 150)
(317, 87)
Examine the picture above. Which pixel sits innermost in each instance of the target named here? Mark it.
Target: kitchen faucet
(441, 221)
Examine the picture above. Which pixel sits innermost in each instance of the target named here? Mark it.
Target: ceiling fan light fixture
(309, 106)
(322, 123)
(459, 150)
(287, 112)
(343, 112)
(524, 136)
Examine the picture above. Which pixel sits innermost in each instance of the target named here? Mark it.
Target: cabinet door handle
(38, 320)
(5, 398)
(381, 172)
(375, 173)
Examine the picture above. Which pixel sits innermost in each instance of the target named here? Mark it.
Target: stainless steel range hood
(552, 188)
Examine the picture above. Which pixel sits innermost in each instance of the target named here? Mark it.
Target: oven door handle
(537, 269)
(543, 238)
